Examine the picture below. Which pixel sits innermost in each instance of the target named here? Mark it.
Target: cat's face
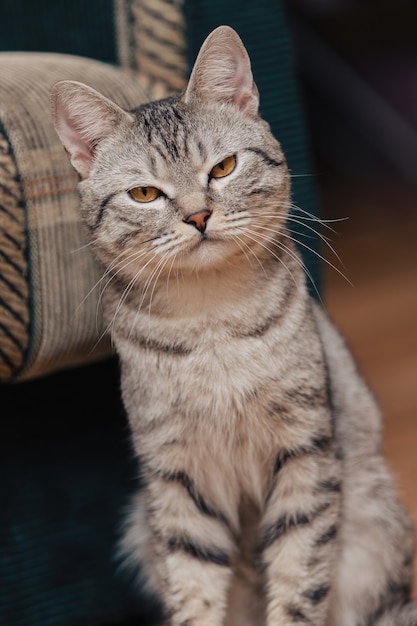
(189, 188)
(183, 184)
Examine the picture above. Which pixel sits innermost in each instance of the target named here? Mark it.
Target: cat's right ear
(82, 118)
(222, 73)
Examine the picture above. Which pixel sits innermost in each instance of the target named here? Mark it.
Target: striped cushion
(14, 287)
(151, 41)
(48, 317)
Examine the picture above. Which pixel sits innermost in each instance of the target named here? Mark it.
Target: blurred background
(357, 63)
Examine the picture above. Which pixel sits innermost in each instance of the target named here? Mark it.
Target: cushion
(49, 314)
(151, 40)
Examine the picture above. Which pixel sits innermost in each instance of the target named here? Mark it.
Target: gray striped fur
(266, 499)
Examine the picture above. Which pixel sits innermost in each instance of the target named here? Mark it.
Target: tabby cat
(266, 499)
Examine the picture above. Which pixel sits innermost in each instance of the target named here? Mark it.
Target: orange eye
(224, 168)
(144, 194)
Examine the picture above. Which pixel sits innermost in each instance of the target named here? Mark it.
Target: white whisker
(251, 235)
(169, 274)
(98, 283)
(242, 243)
(304, 245)
(127, 290)
(292, 254)
(322, 237)
(162, 264)
(155, 273)
(314, 218)
(86, 245)
(132, 258)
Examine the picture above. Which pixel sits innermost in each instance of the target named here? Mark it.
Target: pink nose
(198, 219)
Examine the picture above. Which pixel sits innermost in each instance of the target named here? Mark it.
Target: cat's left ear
(222, 73)
(83, 118)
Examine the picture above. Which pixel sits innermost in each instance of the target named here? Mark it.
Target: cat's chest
(213, 377)
(215, 371)
(230, 399)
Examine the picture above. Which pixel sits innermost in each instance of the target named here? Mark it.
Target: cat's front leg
(299, 534)
(192, 543)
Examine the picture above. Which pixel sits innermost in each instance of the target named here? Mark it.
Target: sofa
(67, 466)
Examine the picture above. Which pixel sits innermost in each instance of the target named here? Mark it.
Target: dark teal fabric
(67, 473)
(264, 29)
(82, 27)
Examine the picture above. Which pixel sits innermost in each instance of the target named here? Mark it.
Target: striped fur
(265, 498)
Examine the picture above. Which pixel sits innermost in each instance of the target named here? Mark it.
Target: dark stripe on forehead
(202, 150)
(153, 164)
(165, 127)
(148, 129)
(178, 127)
(178, 115)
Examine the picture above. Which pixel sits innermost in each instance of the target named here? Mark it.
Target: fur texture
(266, 498)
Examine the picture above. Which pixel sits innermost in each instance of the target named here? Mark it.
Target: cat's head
(186, 183)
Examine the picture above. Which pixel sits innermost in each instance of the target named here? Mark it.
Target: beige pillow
(49, 317)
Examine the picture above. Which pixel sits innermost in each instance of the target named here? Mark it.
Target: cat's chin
(208, 253)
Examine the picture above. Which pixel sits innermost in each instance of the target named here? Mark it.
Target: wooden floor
(378, 314)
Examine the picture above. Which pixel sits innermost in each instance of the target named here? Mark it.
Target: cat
(266, 499)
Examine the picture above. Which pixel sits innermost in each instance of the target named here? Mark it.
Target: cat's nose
(198, 219)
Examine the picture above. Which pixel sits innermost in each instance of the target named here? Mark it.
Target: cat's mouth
(204, 239)
(205, 243)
